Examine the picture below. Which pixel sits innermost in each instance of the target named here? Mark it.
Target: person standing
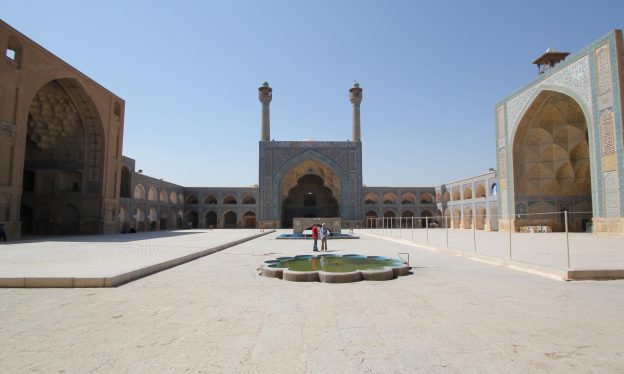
(2, 233)
(315, 235)
(324, 236)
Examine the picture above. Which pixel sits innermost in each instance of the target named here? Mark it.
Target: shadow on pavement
(105, 238)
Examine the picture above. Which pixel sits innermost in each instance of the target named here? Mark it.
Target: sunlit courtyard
(217, 314)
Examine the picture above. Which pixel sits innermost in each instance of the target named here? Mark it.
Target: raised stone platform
(598, 258)
(108, 260)
(300, 224)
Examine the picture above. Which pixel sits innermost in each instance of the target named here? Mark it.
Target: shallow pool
(334, 263)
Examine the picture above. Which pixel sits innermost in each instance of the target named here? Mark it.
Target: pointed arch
(480, 190)
(426, 198)
(152, 195)
(456, 194)
(407, 218)
(480, 217)
(467, 221)
(551, 158)
(140, 219)
(210, 219)
(229, 200)
(210, 199)
(191, 219)
(371, 219)
(230, 220)
(389, 198)
(248, 199)
(249, 220)
(139, 192)
(371, 198)
(389, 215)
(124, 219)
(448, 219)
(426, 216)
(328, 167)
(457, 218)
(153, 215)
(408, 198)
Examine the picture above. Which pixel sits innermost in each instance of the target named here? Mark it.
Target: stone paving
(60, 261)
(216, 314)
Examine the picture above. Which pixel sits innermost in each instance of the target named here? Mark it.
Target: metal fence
(560, 240)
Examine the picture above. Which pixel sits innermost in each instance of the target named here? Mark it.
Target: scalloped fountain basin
(330, 268)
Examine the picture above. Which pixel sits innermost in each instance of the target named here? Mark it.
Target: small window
(13, 51)
(10, 53)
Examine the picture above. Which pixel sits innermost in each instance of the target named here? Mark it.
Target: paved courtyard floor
(216, 314)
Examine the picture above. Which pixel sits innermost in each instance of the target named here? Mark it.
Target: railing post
(474, 230)
(565, 216)
(447, 232)
(412, 228)
(383, 225)
(510, 228)
(427, 228)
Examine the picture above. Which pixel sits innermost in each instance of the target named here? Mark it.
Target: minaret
(355, 94)
(265, 95)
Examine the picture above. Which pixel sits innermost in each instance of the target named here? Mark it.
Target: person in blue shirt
(324, 236)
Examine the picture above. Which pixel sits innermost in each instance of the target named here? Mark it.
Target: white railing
(552, 239)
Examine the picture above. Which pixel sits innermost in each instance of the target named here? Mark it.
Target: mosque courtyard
(217, 314)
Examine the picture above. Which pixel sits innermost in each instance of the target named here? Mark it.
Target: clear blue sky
(431, 72)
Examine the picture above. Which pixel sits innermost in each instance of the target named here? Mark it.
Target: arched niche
(139, 192)
(310, 197)
(371, 198)
(551, 163)
(389, 198)
(63, 160)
